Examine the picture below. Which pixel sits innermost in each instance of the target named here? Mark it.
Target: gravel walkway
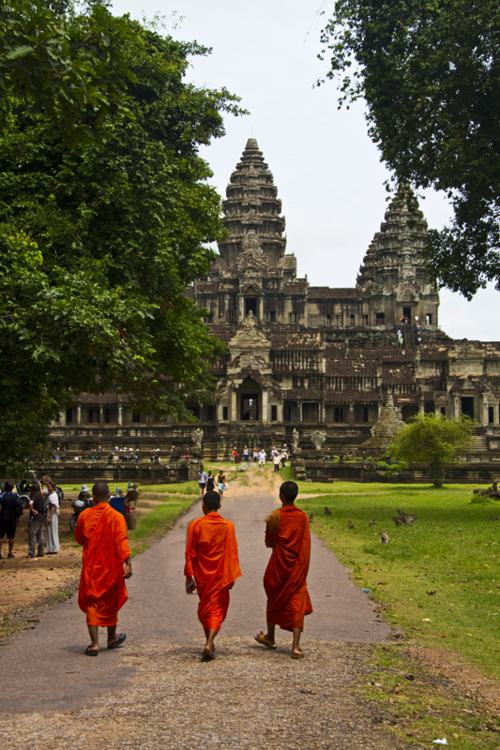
(155, 693)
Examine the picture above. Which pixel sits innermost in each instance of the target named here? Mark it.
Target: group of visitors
(279, 456)
(211, 569)
(208, 482)
(43, 504)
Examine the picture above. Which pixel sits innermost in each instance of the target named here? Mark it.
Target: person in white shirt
(262, 457)
(52, 516)
(276, 461)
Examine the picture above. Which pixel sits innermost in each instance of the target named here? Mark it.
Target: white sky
(327, 170)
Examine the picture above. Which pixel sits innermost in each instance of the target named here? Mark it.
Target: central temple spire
(252, 208)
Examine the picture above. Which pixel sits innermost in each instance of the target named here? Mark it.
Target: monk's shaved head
(288, 492)
(100, 491)
(211, 500)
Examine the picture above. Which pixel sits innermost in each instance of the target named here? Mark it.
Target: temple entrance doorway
(251, 306)
(249, 401)
(467, 404)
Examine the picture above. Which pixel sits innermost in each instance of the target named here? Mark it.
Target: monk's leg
(297, 632)
(269, 636)
(94, 638)
(209, 645)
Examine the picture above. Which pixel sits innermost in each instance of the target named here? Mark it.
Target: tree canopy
(429, 73)
(102, 231)
(432, 440)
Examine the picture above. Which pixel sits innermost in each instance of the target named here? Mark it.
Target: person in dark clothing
(36, 525)
(210, 482)
(10, 511)
(117, 501)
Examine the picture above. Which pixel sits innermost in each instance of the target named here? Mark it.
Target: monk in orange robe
(212, 567)
(106, 563)
(288, 601)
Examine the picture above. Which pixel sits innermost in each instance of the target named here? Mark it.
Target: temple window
(491, 414)
(274, 413)
(136, 418)
(225, 413)
(379, 318)
(428, 319)
(69, 416)
(338, 414)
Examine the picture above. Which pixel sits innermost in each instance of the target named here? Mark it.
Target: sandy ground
(26, 583)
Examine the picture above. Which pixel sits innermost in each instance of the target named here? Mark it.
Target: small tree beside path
(433, 440)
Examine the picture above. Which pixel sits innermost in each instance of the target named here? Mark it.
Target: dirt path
(156, 694)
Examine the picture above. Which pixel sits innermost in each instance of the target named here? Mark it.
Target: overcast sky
(327, 170)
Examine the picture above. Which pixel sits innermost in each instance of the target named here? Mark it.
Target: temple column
(120, 414)
(233, 409)
(351, 413)
(101, 414)
(484, 410)
(280, 412)
(62, 418)
(79, 414)
(261, 308)
(220, 413)
(496, 412)
(456, 406)
(265, 406)
(322, 412)
(421, 405)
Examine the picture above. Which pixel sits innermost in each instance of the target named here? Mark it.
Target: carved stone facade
(320, 356)
(314, 365)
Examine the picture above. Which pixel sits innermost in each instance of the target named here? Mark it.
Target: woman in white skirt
(52, 517)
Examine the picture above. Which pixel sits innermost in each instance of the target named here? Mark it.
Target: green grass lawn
(158, 521)
(439, 578)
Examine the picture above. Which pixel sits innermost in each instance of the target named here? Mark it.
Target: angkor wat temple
(321, 367)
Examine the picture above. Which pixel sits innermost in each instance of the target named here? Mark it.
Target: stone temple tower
(252, 211)
(394, 278)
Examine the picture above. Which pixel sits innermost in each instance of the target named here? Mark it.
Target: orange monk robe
(287, 532)
(103, 533)
(212, 560)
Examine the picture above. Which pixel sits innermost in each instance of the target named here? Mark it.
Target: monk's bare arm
(190, 583)
(126, 554)
(272, 523)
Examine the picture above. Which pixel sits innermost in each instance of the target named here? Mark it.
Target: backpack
(210, 483)
(60, 494)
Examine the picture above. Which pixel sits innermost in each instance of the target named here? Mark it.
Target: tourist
(284, 456)
(221, 483)
(117, 501)
(211, 568)
(210, 485)
(202, 480)
(52, 519)
(36, 523)
(255, 455)
(276, 461)
(106, 563)
(10, 511)
(288, 601)
(245, 454)
(262, 457)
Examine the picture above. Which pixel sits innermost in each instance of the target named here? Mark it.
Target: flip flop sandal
(90, 651)
(207, 656)
(298, 655)
(120, 640)
(261, 638)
